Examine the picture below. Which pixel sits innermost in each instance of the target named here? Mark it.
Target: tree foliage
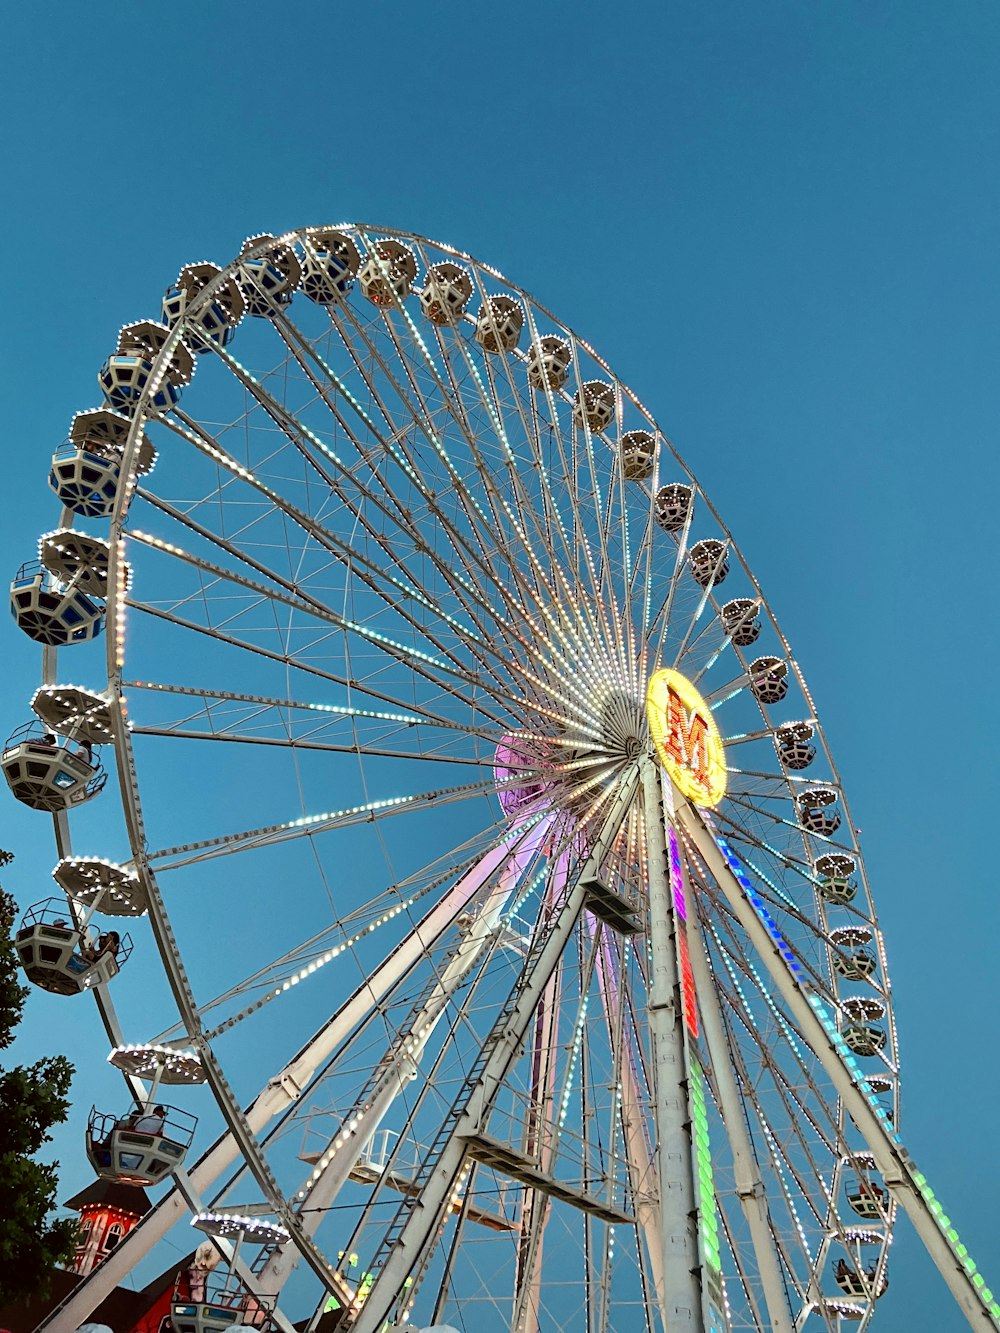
(33, 1098)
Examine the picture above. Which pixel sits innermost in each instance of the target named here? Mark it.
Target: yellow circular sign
(686, 737)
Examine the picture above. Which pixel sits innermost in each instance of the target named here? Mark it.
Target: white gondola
(638, 454)
(269, 281)
(862, 1032)
(709, 562)
(65, 955)
(212, 1302)
(868, 1200)
(740, 621)
(446, 291)
(126, 373)
(859, 1284)
(389, 272)
(59, 599)
(146, 1144)
(139, 1149)
(499, 324)
(85, 477)
(548, 362)
(851, 959)
(672, 506)
(835, 877)
(208, 1306)
(48, 772)
(217, 319)
(816, 809)
(86, 466)
(330, 266)
(793, 742)
(54, 763)
(864, 1039)
(51, 612)
(865, 1193)
(768, 679)
(594, 405)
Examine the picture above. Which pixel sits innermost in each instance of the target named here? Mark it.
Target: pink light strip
(680, 907)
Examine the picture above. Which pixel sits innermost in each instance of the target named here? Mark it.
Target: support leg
(818, 1026)
(674, 1156)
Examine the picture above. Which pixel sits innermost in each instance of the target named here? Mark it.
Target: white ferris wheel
(519, 968)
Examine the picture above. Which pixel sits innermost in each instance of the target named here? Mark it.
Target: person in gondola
(151, 1122)
(106, 943)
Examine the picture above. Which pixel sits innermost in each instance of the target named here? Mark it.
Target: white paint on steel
(896, 1171)
(418, 1231)
(403, 1063)
(682, 1304)
(749, 1183)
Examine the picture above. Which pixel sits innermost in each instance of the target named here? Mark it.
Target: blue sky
(777, 221)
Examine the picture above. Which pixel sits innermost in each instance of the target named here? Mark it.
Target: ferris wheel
(509, 960)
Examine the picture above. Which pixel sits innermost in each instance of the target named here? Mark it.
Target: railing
(222, 1291)
(104, 453)
(174, 1125)
(30, 571)
(45, 741)
(54, 915)
(375, 1153)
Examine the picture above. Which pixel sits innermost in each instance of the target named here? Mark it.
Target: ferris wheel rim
(123, 744)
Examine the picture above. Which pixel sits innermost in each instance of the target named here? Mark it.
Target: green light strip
(920, 1180)
(961, 1253)
(708, 1224)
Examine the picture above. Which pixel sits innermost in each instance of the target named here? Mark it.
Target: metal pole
(641, 1166)
(818, 1026)
(681, 1307)
(406, 1245)
(280, 1092)
(749, 1185)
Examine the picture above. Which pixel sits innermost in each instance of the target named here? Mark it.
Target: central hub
(622, 726)
(567, 766)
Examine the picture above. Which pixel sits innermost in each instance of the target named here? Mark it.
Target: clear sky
(778, 221)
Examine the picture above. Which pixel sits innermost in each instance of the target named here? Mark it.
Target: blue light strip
(822, 1013)
(757, 903)
(962, 1256)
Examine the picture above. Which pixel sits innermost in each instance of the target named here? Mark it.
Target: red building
(108, 1211)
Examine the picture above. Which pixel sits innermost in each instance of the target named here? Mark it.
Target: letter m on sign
(687, 737)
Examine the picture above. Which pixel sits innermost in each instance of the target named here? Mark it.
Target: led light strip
(757, 903)
(832, 1031)
(680, 908)
(708, 1221)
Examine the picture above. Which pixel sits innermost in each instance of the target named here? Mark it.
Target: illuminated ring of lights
(687, 737)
